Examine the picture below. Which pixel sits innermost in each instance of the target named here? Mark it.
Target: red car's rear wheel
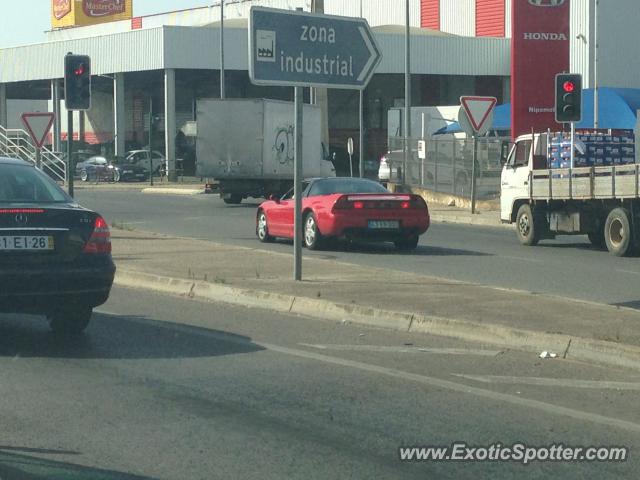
(313, 239)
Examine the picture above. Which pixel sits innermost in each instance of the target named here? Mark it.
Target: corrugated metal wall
(490, 18)
(430, 14)
(44, 61)
(618, 57)
(447, 55)
(507, 18)
(581, 43)
(458, 17)
(377, 12)
(184, 47)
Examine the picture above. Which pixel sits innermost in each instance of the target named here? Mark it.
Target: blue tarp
(618, 108)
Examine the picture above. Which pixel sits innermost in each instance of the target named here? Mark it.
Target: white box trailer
(598, 193)
(247, 145)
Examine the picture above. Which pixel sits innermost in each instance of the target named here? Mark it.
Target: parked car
(384, 171)
(141, 157)
(355, 208)
(129, 170)
(55, 256)
(98, 169)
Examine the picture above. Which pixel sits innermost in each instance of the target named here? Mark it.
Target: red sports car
(353, 208)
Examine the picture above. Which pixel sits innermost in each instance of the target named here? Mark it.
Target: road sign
(422, 149)
(295, 48)
(38, 125)
(479, 113)
(350, 145)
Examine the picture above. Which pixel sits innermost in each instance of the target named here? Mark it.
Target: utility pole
(361, 121)
(596, 103)
(222, 87)
(407, 94)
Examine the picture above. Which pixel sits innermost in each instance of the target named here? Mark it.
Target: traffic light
(568, 97)
(77, 82)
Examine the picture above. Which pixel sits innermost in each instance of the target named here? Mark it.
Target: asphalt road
(567, 267)
(168, 388)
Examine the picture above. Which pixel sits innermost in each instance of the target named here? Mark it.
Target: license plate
(384, 224)
(15, 242)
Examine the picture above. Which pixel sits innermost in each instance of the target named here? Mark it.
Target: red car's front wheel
(262, 229)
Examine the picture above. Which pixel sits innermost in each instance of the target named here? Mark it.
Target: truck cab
(526, 154)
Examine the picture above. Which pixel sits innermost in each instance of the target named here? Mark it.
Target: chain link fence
(448, 165)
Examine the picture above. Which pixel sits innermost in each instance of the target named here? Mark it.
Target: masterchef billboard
(79, 13)
(540, 48)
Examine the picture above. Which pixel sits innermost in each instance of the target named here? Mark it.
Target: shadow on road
(388, 249)
(635, 304)
(117, 337)
(25, 467)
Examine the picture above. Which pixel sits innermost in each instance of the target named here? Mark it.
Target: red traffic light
(569, 86)
(79, 70)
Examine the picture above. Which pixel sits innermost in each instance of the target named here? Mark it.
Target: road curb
(173, 191)
(565, 346)
(477, 221)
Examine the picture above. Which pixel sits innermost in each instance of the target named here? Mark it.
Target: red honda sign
(540, 48)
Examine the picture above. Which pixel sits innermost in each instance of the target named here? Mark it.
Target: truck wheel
(233, 199)
(313, 239)
(617, 232)
(528, 227)
(262, 229)
(70, 320)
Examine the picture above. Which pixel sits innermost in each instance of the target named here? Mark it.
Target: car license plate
(15, 242)
(384, 224)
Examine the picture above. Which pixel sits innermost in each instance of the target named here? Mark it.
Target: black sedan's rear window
(25, 184)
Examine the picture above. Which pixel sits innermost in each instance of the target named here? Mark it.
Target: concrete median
(342, 292)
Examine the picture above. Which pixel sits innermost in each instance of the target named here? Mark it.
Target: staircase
(17, 143)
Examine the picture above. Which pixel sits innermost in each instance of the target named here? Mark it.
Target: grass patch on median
(122, 226)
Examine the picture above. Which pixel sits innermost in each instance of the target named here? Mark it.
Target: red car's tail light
(358, 205)
(342, 203)
(100, 240)
(405, 205)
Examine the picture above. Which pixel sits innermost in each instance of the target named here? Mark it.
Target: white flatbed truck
(596, 193)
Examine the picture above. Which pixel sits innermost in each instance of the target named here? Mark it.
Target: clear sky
(25, 21)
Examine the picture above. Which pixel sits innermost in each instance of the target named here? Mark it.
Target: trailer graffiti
(283, 147)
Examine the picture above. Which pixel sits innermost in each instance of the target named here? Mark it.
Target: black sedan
(55, 256)
(98, 169)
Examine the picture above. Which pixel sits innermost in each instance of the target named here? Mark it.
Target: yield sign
(38, 125)
(479, 110)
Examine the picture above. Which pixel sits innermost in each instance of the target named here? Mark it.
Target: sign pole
(297, 188)
(473, 174)
(150, 137)
(361, 133)
(39, 158)
(71, 167)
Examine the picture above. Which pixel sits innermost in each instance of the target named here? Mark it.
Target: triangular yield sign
(38, 125)
(478, 109)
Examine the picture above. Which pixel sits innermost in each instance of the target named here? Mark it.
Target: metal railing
(448, 165)
(17, 143)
